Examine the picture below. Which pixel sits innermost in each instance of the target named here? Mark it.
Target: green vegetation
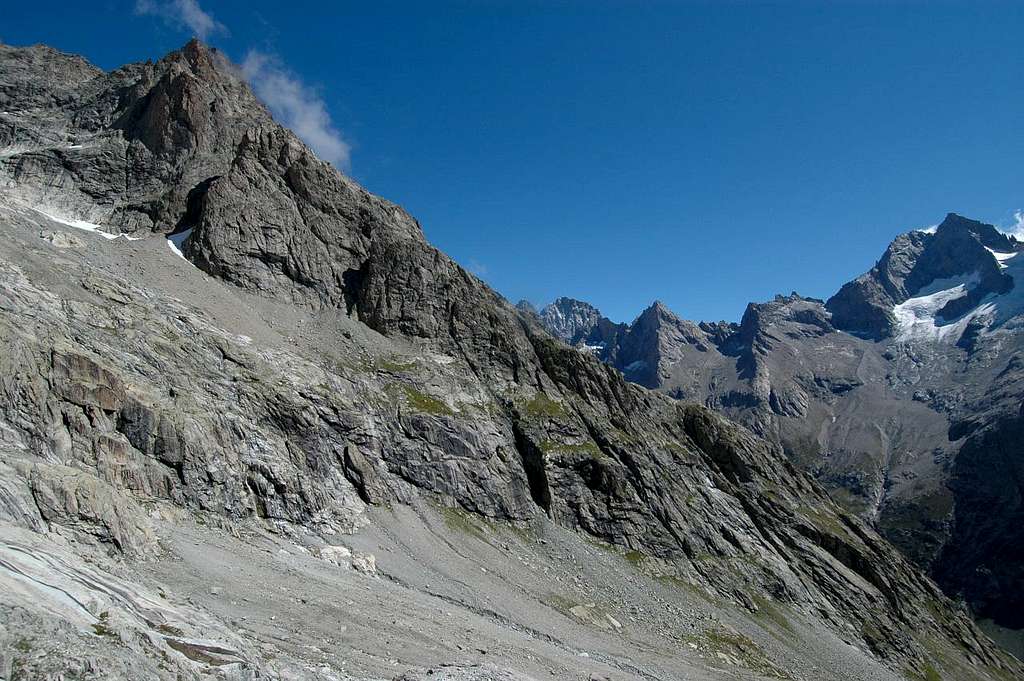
(102, 628)
(851, 502)
(873, 636)
(677, 449)
(482, 527)
(926, 673)
(526, 533)
(926, 509)
(634, 557)
(395, 367)
(770, 611)
(196, 653)
(425, 403)
(169, 630)
(18, 670)
(588, 447)
(560, 603)
(691, 588)
(824, 521)
(462, 521)
(542, 406)
(739, 647)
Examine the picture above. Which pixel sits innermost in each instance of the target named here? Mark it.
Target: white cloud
(293, 103)
(477, 268)
(188, 13)
(296, 106)
(1017, 228)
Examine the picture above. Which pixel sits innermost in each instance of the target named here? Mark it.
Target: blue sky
(705, 154)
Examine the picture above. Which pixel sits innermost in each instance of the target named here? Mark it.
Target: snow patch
(592, 348)
(85, 226)
(918, 317)
(176, 242)
(1011, 303)
(1001, 258)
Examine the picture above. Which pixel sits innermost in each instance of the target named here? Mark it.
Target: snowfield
(176, 242)
(85, 226)
(918, 317)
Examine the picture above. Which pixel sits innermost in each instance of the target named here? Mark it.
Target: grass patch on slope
(423, 403)
(542, 406)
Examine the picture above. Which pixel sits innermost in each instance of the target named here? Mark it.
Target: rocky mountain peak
(196, 97)
(987, 235)
(165, 128)
(579, 323)
(656, 314)
(660, 308)
(957, 248)
(655, 342)
(526, 307)
(806, 316)
(570, 319)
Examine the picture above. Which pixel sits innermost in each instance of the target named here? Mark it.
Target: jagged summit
(579, 323)
(988, 235)
(972, 252)
(164, 128)
(657, 307)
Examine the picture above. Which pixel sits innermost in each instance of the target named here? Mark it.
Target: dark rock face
(306, 237)
(431, 385)
(863, 307)
(982, 560)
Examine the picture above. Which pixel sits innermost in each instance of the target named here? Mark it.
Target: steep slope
(350, 377)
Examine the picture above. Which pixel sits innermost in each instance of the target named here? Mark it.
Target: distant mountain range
(902, 394)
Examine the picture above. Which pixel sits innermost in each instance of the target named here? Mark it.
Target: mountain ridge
(929, 332)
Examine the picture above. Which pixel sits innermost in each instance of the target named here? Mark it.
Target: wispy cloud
(1017, 228)
(186, 13)
(296, 106)
(477, 268)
